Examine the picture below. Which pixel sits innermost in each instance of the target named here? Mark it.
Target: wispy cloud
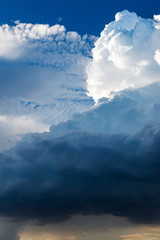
(42, 69)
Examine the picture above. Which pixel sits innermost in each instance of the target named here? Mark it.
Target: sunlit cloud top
(127, 55)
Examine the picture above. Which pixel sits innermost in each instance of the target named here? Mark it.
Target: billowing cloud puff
(26, 35)
(127, 55)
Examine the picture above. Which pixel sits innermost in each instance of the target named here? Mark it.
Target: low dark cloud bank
(52, 177)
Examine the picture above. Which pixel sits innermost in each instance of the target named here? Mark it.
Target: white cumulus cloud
(126, 55)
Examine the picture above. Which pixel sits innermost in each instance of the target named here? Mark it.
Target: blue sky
(79, 120)
(83, 16)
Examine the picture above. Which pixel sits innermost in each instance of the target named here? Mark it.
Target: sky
(79, 120)
(81, 16)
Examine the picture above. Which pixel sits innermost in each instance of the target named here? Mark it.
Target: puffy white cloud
(125, 56)
(12, 37)
(42, 70)
(10, 44)
(50, 39)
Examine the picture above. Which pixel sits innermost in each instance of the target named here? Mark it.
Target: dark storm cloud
(52, 179)
(104, 161)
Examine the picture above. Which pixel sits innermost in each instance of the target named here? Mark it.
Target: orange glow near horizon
(91, 228)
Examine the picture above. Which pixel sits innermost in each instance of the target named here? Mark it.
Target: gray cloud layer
(87, 170)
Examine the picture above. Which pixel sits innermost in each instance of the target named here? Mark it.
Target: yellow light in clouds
(151, 234)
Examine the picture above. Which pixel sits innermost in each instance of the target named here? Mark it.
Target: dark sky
(85, 16)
